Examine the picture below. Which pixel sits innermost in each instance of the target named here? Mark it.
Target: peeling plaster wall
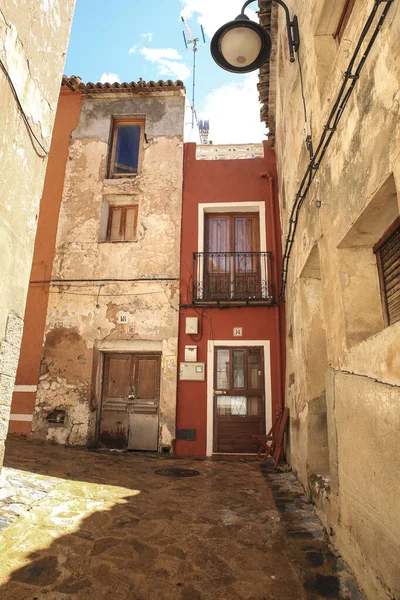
(33, 42)
(359, 497)
(82, 318)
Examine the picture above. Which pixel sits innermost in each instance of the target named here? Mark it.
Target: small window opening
(126, 148)
(387, 252)
(344, 19)
(122, 224)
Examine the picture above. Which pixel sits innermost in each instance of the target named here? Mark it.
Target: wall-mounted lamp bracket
(292, 26)
(242, 45)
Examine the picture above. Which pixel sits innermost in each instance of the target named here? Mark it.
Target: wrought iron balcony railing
(232, 277)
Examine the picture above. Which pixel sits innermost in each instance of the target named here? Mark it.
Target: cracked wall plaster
(363, 396)
(33, 42)
(82, 318)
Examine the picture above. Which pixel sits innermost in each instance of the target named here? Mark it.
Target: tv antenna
(192, 41)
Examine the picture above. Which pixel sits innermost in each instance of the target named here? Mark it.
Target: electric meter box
(192, 325)
(192, 371)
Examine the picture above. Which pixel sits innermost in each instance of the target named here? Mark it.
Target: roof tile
(76, 83)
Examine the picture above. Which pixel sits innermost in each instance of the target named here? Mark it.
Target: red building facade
(231, 340)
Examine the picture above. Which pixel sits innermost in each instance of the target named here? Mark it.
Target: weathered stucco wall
(343, 367)
(82, 319)
(33, 42)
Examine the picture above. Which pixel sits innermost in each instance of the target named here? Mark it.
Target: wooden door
(232, 269)
(239, 400)
(130, 401)
(144, 408)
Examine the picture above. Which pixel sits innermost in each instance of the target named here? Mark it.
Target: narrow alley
(93, 525)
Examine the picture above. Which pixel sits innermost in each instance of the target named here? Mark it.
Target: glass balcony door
(231, 269)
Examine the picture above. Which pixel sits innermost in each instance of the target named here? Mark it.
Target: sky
(125, 40)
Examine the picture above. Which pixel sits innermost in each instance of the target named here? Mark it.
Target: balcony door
(232, 262)
(239, 398)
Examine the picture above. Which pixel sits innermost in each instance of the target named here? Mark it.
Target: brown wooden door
(239, 400)
(231, 265)
(130, 402)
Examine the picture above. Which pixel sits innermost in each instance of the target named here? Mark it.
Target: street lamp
(241, 46)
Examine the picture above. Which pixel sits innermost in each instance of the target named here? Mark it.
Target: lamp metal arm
(292, 27)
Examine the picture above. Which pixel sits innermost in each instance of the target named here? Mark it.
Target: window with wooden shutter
(122, 224)
(387, 252)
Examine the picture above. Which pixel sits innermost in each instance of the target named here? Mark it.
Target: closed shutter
(122, 223)
(388, 255)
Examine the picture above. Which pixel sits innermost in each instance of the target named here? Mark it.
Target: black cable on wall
(351, 76)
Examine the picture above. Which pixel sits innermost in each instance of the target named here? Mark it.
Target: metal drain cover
(172, 472)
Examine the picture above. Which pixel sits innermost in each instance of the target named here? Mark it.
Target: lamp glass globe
(240, 46)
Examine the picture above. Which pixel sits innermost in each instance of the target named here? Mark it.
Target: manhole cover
(177, 472)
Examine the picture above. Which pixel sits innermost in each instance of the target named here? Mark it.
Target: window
(387, 252)
(127, 141)
(344, 18)
(232, 257)
(332, 23)
(122, 223)
(367, 295)
(232, 232)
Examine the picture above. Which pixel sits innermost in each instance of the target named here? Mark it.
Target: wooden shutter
(130, 223)
(115, 224)
(122, 223)
(388, 257)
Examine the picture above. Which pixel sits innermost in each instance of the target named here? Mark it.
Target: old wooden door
(130, 402)
(239, 400)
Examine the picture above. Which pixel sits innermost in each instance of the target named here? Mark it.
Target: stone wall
(95, 281)
(33, 42)
(343, 364)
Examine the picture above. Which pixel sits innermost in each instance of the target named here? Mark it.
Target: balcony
(232, 278)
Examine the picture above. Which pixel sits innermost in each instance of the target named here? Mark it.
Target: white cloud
(212, 14)
(234, 112)
(156, 54)
(167, 61)
(169, 68)
(109, 78)
(147, 36)
(133, 49)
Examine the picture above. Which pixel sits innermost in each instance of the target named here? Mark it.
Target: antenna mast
(194, 43)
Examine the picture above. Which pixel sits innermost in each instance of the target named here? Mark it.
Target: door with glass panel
(239, 399)
(232, 259)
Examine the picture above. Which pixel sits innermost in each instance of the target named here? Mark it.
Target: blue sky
(127, 39)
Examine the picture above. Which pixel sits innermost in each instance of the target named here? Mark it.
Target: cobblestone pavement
(102, 525)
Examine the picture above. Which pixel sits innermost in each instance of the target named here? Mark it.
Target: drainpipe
(280, 321)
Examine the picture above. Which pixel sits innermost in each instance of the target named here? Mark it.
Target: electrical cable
(329, 129)
(309, 144)
(110, 280)
(97, 295)
(24, 117)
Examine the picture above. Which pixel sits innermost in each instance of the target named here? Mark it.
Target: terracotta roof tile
(76, 83)
(267, 75)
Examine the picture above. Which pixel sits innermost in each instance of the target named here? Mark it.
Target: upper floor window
(232, 261)
(332, 23)
(126, 146)
(387, 252)
(232, 232)
(343, 20)
(122, 223)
